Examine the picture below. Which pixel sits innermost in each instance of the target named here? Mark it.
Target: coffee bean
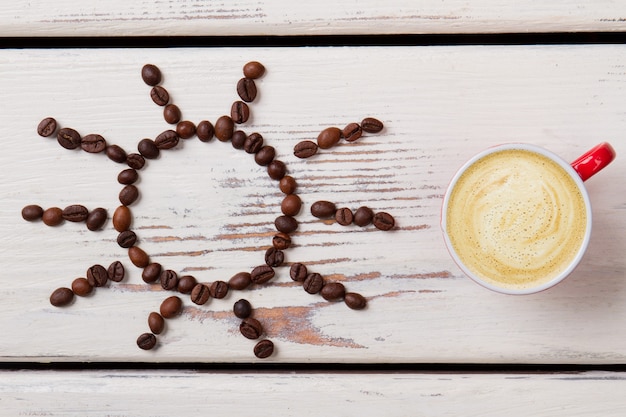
(363, 216)
(371, 125)
(96, 219)
(81, 287)
(151, 74)
(75, 213)
(166, 140)
(151, 272)
(264, 349)
(355, 301)
(169, 280)
(305, 149)
(32, 212)
(68, 138)
(253, 143)
(253, 70)
(205, 131)
(344, 216)
(239, 139)
(218, 289)
(251, 328)
(328, 137)
(159, 95)
(129, 195)
(246, 88)
(126, 239)
(200, 294)
(61, 297)
(239, 112)
(52, 216)
(128, 176)
(276, 169)
(240, 281)
(135, 160)
(242, 309)
(171, 307)
(274, 257)
(148, 148)
(138, 257)
(291, 205)
(333, 291)
(352, 132)
(47, 127)
(281, 241)
(286, 224)
(265, 155)
(122, 218)
(116, 154)
(146, 341)
(262, 274)
(298, 272)
(313, 283)
(156, 323)
(93, 143)
(186, 284)
(383, 221)
(185, 129)
(323, 209)
(224, 128)
(97, 276)
(288, 184)
(116, 271)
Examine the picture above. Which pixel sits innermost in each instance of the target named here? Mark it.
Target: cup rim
(573, 174)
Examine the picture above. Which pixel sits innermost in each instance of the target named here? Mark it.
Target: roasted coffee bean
(146, 341)
(264, 349)
(246, 88)
(135, 161)
(166, 140)
(68, 138)
(291, 205)
(148, 148)
(151, 74)
(344, 216)
(116, 154)
(169, 280)
(151, 272)
(75, 213)
(352, 132)
(52, 216)
(328, 137)
(93, 143)
(253, 70)
(253, 143)
(242, 309)
(313, 283)
(61, 297)
(122, 218)
(251, 328)
(239, 112)
(205, 131)
(262, 274)
(274, 257)
(363, 216)
(171, 307)
(81, 287)
(200, 294)
(159, 95)
(218, 289)
(355, 301)
(323, 209)
(276, 169)
(129, 195)
(186, 284)
(371, 125)
(97, 276)
(286, 224)
(333, 291)
(224, 128)
(185, 129)
(32, 212)
(156, 323)
(138, 257)
(288, 184)
(305, 149)
(281, 241)
(383, 221)
(116, 271)
(298, 272)
(126, 239)
(96, 219)
(238, 139)
(128, 176)
(47, 127)
(240, 281)
(265, 155)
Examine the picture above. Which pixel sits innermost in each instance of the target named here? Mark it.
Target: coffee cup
(516, 218)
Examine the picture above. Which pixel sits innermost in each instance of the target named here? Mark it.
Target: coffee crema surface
(516, 218)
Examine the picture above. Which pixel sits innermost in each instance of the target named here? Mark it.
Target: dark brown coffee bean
(148, 148)
(146, 341)
(81, 287)
(200, 294)
(238, 139)
(96, 219)
(333, 291)
(313, 283)
(185, 129)
(298, 272)
(47, 127)
(281, 241)
(156, 323)
(97, 276)
(218, 289)
(128, 176)
(224, 128)
(286, 224)
(151, 272)
(383, 221)
(116, 154)
(126, 239)
(276, 169)
(288, 184)
(61, 297)
(264, 349)
(122, 218)
(52, 216)
(363, 216)
(93, 143)
(265, 155)
(262, 274)
(68, 138)
(344, 216)
(186, 284)
(116, 271)
(371, 125)
(151, 74)
(32, 212)
(166, 140)
(251, 328)
(355, 301)
(240, 281)
(246, 88)
(205, 131)
(323, 209)
(253, 143)
(242, 309)
(352, 132)
(169, 280)
(171, 307)
(135, 161)
(138, 257)
(274, 257)
(328, 137)
(239, 112)
(129, 195)
(291, 205)
(159, 95)
(305, 149)
(75, 213)
(253, 70)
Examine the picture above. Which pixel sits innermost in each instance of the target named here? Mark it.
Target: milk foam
(516, 218)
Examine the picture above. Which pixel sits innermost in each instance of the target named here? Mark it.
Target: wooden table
(430, 341)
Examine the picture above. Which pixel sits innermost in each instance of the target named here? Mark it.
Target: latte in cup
(516, 219)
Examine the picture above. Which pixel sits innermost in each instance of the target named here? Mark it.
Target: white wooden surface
(206, 208)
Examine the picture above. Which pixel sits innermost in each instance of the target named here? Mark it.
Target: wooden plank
(246, 17)
(208, 210)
